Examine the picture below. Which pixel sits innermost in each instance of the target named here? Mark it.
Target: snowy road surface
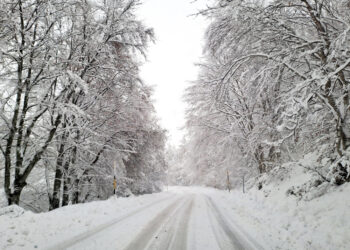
(180, 221)
(186, 218)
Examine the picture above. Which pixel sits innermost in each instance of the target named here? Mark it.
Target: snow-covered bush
(309, 190)
(339, 171)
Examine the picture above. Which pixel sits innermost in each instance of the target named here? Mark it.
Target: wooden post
(114, 178)
(114, 185)
(243, 183)
(228, 182)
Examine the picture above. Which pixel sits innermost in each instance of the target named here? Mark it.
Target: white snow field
(184, 218)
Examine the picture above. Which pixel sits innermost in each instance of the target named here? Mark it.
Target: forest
(74, 112)
(272, 94)
(90, 98)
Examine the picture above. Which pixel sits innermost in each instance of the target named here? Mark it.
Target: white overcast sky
(170, 66)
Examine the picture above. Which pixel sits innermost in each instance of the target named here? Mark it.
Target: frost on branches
(273, 87)
(72, 103)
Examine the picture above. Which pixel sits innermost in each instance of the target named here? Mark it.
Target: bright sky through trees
(171, 60)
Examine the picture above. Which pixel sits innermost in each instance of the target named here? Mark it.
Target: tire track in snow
(238, 240)
(79, 238)
(167, 231)
(174, 233)
(180, 239)
(224, 238)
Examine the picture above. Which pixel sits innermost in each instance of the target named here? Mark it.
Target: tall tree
(275, 75)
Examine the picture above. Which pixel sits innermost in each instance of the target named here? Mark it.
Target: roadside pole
(114, 178)
(228, 182)
(114, 185)
(243, 183)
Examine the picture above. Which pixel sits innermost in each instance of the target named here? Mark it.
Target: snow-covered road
(186, 218)
(181, 221)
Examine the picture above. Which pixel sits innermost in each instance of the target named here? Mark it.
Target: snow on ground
(32, 231)
(196, 217)
(278, 221)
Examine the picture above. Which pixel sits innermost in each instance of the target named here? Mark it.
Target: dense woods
(273, 88)
(264, 157)
(73, 109)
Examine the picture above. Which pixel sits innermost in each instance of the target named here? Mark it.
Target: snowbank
(32, 231)
(320, 220)
(11, 211)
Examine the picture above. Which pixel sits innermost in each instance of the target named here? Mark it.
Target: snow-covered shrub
(309, 190)
(276, 175)
(321, 181)
(339, 171)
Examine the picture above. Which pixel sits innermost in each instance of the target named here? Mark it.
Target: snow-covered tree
(273, 82)
(71, 96)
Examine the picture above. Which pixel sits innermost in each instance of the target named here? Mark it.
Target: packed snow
(187, 217)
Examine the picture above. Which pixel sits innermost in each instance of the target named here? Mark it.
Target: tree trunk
(56, 193)
(76, 192)
(14, 197)
(66, 184)
(55, 202)
(343, 140)
(259, 156)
